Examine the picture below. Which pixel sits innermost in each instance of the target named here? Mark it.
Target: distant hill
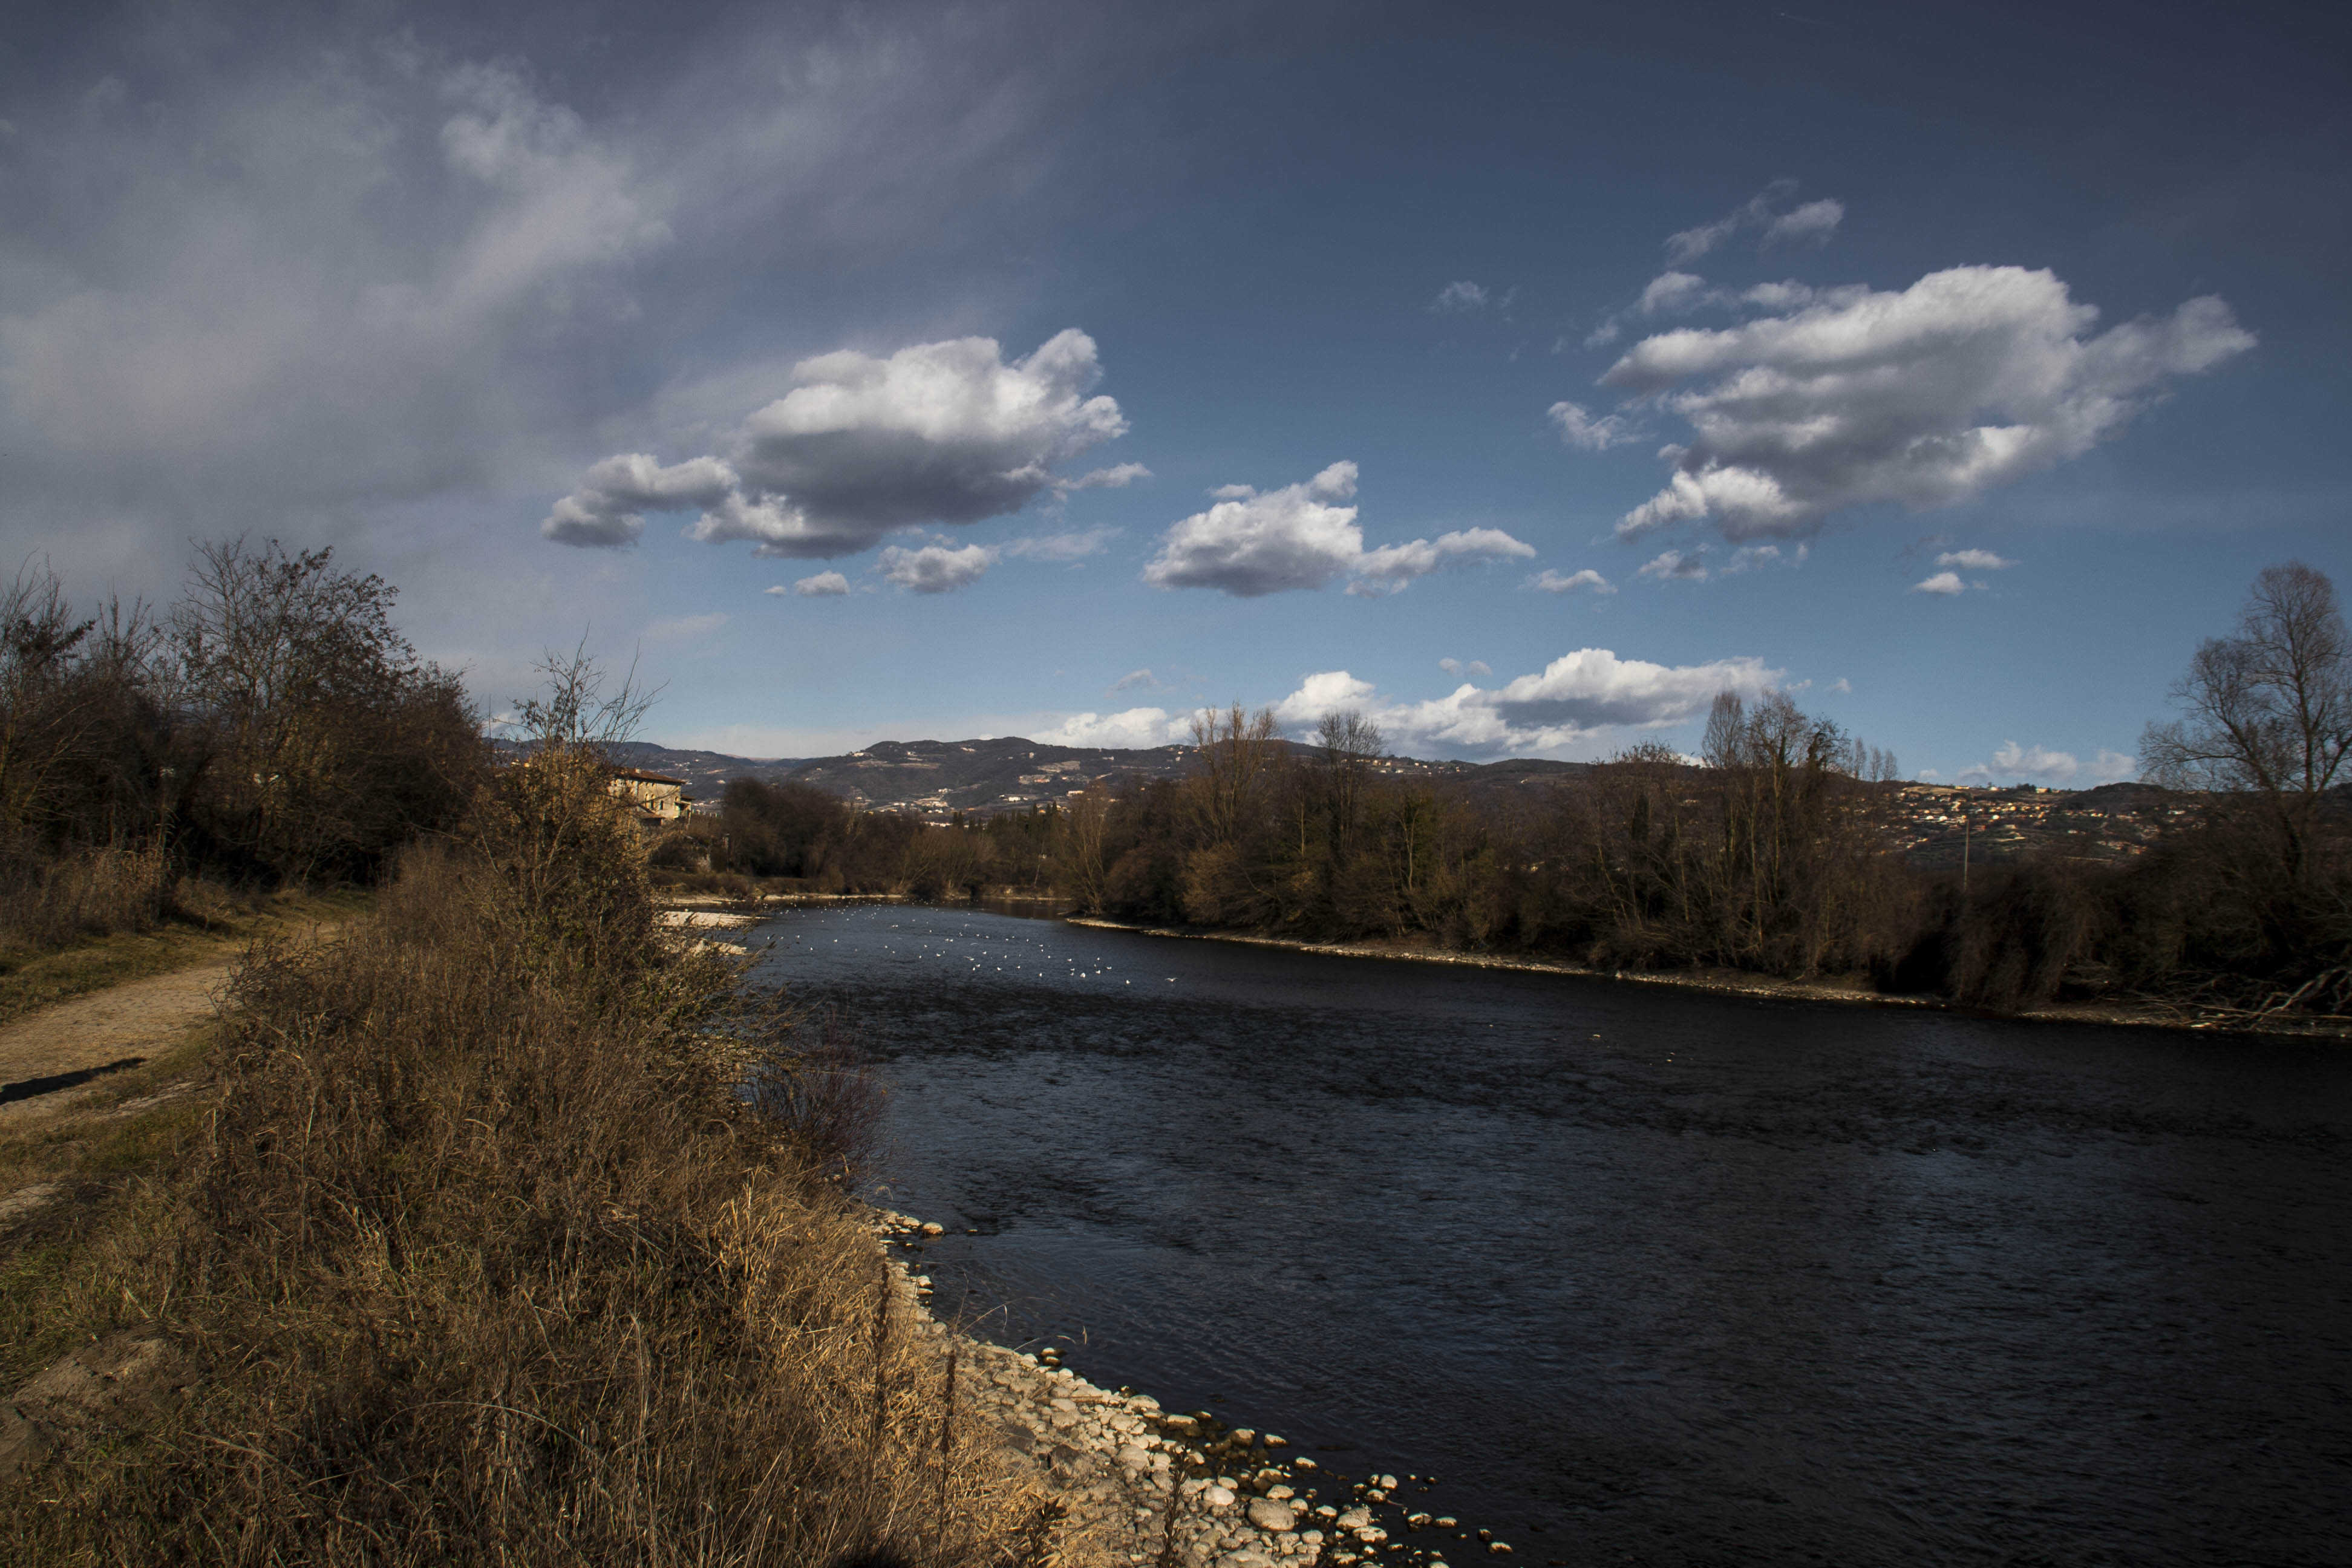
(939, 779)
(984, 777)
(705, 772)
(979, 778)
(936, 778)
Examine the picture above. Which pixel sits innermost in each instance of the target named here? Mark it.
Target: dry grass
(93, 893)
(208, 922)
(483, 1256)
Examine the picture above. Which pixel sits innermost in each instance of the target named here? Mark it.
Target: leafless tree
(1078, 864)
(572, 712)
(1351, 744)
(2267, 712)
(327, 736)
(1236, 750)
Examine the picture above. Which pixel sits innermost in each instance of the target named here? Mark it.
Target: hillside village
(1940, 826)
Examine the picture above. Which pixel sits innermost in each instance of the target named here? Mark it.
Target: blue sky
(1954, 366)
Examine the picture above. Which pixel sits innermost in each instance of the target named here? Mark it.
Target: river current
(1639, 1275)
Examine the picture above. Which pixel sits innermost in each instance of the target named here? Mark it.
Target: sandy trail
(47, 1057)
(138, 1019)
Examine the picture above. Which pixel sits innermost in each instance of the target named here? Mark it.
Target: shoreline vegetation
(503, 1223)
(1735, 982)
(503, 1220)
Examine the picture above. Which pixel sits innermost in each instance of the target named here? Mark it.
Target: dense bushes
(271, 728)
(1770, 854)
(1764, 860)
(794, 830)
(486, 1256)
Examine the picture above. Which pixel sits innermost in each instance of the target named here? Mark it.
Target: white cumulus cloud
(1669, 565)
(609, 507)
(1974, 560)
(1575, 701)
(1135, 727)
(824, 585)
(1669, 292)
(936, 432)
(1579, 427)
(1814, 223)
(1252, 543)
(1968, 379)
(935, 568)
(1392, 567)
(1550, 581)
(2041, 764)
(1117, 476)
(1945, 583)
(1328, 692)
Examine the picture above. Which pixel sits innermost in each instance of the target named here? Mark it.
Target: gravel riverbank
(1137, 1483)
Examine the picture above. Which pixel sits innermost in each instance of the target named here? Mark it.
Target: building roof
(643, 777)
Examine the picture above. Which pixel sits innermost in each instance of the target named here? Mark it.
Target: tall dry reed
(487, 1258)
(90, 893)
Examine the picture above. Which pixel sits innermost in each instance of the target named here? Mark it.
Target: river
(1640, 1276)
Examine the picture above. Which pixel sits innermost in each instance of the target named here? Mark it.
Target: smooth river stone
(1268, 1514)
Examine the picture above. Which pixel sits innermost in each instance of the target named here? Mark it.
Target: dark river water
(1640, 1276)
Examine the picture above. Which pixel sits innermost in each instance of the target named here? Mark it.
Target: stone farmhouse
(657, 798)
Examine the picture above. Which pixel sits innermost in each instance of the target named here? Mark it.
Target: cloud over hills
(1571, 702)
(2041, 764)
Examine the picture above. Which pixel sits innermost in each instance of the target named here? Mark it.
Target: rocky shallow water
(1141, 1484)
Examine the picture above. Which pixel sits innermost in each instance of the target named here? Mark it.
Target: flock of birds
(978, 954)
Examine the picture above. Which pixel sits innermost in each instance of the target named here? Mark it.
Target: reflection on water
(1641, 1276)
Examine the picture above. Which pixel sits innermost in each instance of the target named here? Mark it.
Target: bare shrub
(2013, 944)
(93, 893)
(490, 1259)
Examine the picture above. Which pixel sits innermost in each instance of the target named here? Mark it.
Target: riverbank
(1739, 983)
(1132, 1483)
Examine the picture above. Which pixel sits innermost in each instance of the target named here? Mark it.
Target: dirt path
(49, 1055)
(57, 1049)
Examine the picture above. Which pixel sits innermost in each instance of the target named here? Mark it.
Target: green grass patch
(91, 1138)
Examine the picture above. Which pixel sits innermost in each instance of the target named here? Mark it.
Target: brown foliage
(486, 1256)
(275, 728)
